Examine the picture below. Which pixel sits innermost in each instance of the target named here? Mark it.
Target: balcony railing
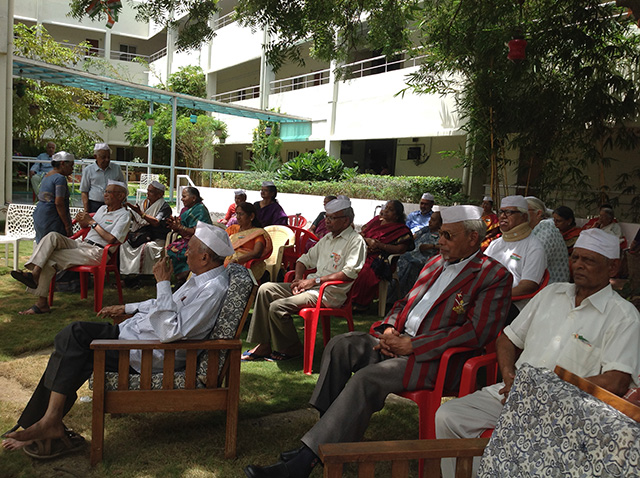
(238, 95)
(377, 65)
(119, 55)
(315, 78)
(224, 21)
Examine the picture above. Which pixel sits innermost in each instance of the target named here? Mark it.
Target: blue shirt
(42, 168)
(416, 220)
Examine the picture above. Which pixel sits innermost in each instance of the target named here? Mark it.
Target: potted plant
(149, 119)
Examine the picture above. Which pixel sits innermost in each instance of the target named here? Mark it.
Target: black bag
(382, 268)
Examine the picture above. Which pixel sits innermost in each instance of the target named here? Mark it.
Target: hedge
(407, 189)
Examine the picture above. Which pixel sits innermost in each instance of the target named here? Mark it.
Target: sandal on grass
(34, 310)
(26, 278)
(280, 357)
(250, 356)
(55, 447)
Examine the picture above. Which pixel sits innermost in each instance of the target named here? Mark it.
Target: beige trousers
(56, 252)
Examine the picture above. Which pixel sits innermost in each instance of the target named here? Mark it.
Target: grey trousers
(466, 417)
(346, 402)
(271, 321)
(56, 252)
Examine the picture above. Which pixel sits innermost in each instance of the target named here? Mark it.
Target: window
(238, 160)
(292, 154)
(93, 51)
(127, 52)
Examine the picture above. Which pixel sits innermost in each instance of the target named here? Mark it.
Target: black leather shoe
(279, 470)
(291, 454)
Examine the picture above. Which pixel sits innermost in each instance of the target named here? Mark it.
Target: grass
(274, 412)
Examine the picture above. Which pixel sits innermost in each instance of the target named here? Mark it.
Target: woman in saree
(385, 234)
(185, 225)
(52, 211)
(565, 221)
(490, 219)
(268, 210)
(249, 240)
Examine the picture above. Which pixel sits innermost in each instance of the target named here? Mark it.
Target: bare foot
(40, 430)
(12, 444)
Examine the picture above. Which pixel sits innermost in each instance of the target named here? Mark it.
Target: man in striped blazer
(461, 298)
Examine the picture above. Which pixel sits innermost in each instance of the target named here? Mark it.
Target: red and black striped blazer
(470, 312)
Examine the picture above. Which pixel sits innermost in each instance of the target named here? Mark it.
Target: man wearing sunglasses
(518, 249)
(461, 298)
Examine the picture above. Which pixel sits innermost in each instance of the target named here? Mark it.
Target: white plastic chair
(18, 227)
(145, 180)
(280, 237)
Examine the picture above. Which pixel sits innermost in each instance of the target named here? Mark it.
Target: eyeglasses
(507, 212)
(332, 218)
(448, 235)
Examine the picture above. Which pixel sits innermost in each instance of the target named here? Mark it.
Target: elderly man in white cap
(189, 313)
(56, 252)
(419, 219)
(585, 327)
(518, 250)
(461, 298)
(339, 255)
(145, 243)
(96, 176)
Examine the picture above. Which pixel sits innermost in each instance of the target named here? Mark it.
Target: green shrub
(363, 186)
(264, 163)
(315, 166)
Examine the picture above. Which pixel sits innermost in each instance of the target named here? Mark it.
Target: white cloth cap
(599, 241)
(117, 183)
(338, 205)
(428, 197)
(101, 147)
(342, 196)
(158, 185)
(487, 198)
(460, 213)
(266, 184)
(240, 192)
(514, 201)
(215, 238)
(63, 156)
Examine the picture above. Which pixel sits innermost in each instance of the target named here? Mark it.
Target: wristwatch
(94, 225)
(318, 281)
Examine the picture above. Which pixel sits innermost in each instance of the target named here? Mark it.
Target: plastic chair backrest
(20, 221)
(298, 220)
(280, 236)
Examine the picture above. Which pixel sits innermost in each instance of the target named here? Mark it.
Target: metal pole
(174, 112)
(150, 147)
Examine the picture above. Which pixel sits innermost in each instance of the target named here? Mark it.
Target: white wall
(233, 45)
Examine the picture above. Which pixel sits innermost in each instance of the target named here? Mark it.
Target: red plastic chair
(311, 316)
(292, 252)
(100, 272)
(297, 220)
(543, 284)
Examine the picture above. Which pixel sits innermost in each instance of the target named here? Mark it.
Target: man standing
(56, 252)
(38, 170)
(555, 249)
(96, 176)
(339, 255)
(416, 220)
(585, 327)
(190, 313)
(518, 250)
(461, 298)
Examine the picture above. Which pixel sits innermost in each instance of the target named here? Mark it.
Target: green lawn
(165, 445)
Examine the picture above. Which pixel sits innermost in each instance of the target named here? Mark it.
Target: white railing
(377, 65)
(315, 78)
(238, 95)
(157, 55)
(224, 21)
(119, 55)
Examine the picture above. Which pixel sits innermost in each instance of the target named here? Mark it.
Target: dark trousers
(94, 205)
(70, 365)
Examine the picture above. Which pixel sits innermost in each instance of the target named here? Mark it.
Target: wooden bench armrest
(222, 344)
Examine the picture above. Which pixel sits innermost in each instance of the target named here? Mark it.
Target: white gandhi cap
(460, 213)
(337, 205)
(599, 241)
(515, 201)
(215, 238)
